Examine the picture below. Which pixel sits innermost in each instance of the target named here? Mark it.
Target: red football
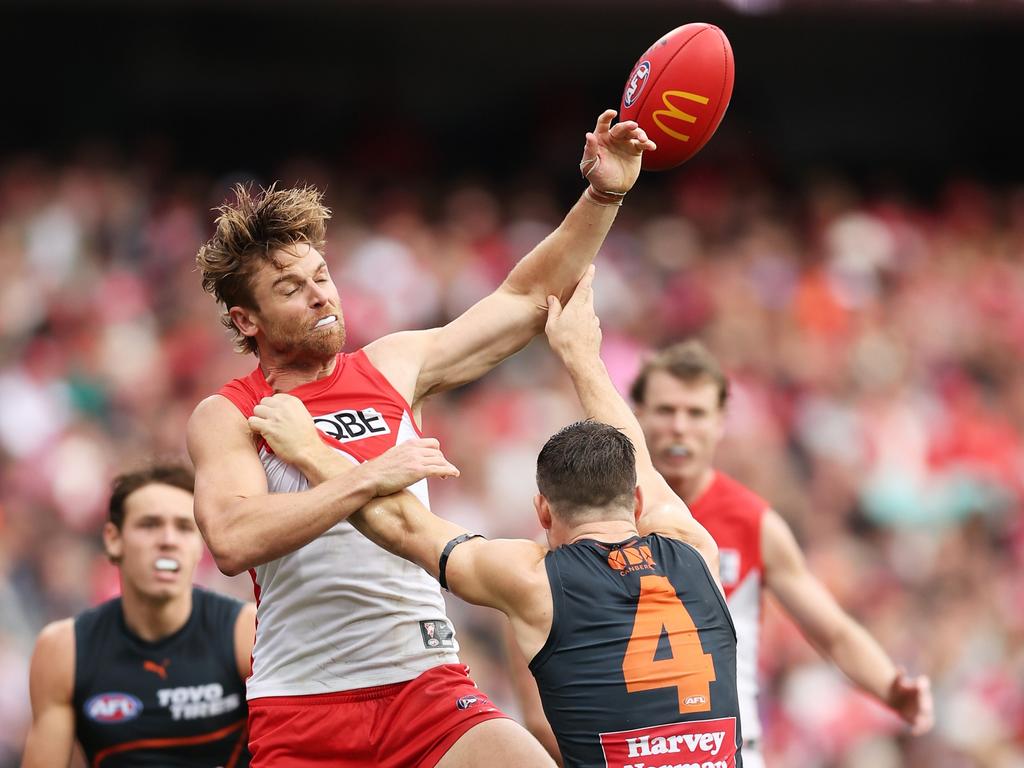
(678, 92)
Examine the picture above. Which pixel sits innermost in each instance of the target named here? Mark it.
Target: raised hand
(574, 331)
(911, 699)
(612, 153)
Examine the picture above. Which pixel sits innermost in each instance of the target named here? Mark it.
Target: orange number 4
(690, 671)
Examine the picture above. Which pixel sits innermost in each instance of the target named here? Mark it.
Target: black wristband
(442, 564)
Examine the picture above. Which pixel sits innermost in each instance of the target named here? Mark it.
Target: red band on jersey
(355, 408)
(732, 515)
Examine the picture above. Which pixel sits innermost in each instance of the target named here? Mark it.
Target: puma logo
(159, 670)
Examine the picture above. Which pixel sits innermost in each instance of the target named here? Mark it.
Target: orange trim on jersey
(183, 741)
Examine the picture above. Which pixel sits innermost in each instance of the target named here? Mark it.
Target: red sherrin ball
(678, 92)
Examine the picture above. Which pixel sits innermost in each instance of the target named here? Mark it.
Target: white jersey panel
(745, 607)
(342, 613)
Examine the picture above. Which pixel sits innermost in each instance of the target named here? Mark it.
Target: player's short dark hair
(688, 361)
(587, 465)
(166, 473)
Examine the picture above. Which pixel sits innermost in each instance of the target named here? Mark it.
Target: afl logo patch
(113, 708)
(466, 702)
(635, 84)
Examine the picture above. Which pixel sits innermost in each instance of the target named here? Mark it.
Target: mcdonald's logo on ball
(678, 92)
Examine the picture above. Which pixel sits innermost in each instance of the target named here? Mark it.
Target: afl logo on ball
(635, 84)
(113, 708)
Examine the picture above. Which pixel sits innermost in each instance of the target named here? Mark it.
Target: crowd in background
(875, 345)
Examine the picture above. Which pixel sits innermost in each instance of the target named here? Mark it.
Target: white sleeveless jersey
(732, 515)
(342, 613)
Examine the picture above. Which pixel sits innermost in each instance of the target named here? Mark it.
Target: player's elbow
(229, 566)
(227, 553)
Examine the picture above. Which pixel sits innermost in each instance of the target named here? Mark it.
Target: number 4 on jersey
(690, 671)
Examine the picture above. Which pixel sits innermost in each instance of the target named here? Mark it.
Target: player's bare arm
(574, 333)
(834, 633)
(505, 574)
(244, 525)
(421, 363)
(245, 638)
(51, 738)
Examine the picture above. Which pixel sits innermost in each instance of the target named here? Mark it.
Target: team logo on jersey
(631, 559)
(113, 707)
(157, 668)
(465, 702)
(348, 425)
(700, 744)
(437, 633)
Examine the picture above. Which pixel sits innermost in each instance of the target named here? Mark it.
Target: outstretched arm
(834, 632)
(245, 525)
(51, 737)
(574, 333)
(505, 574)
(421, 363)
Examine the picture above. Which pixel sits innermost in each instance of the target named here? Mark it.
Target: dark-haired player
(628, 634)
(155, 677)
(680, 396)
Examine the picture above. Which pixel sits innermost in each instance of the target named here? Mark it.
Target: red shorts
(388, 726)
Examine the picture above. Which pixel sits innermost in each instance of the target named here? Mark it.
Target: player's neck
(691, 489)
(151, 619)
(284, 376)
(608, 531)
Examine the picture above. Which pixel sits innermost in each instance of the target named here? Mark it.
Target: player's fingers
(623, 130)
(605, 120)
(554, 309)
(637, 147)
(585, 287)
(437, 465)
(263, 411)
(256, 424)
(427, 442)
(583, 295)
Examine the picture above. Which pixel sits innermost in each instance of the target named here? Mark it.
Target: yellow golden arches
(671, 110)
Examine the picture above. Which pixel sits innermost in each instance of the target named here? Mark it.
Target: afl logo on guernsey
(113, 708)
(635, 84)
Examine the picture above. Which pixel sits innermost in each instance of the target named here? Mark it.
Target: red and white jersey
(342, 613)
(732, 515)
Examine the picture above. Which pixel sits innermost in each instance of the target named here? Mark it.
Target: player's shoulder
(214, 418)
(728, 492)
(516, 566)
(213, 408)
(52, 669)
(56, 637)
(214, 606)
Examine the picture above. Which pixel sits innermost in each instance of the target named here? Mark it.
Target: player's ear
(244, 320)
(543, 511)
(638, 503)
(112, 542)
